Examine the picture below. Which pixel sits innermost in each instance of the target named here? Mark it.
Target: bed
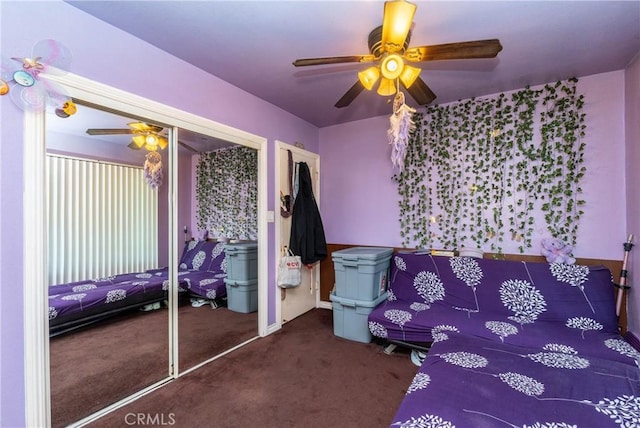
(510, 344)
(201, 274)
(467, 381)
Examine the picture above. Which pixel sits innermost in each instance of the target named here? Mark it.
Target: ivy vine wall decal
(227, 193)
(478, 172)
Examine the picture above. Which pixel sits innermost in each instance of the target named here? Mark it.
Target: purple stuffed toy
(556, 251)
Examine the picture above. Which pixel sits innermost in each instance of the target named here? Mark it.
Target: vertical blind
(102, 220)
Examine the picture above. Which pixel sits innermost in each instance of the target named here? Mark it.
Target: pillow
(215, 256)
(189, 251)
(202, 255)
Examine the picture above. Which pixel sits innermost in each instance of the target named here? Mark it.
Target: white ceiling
(251, 44)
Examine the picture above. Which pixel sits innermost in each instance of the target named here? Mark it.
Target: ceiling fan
(144, 134)
(389, 50)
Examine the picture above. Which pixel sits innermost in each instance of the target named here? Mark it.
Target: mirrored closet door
(109, 217)
(108, 317)
(218, 183)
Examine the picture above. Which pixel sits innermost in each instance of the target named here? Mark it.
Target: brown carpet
(108, 361)
(300, 376)
(206, 332)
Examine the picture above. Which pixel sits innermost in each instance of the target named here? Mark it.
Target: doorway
(297, 300)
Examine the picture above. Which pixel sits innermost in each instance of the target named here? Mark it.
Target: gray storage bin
(242, 261)
(350, 317)
(242, 296)
(362, 273)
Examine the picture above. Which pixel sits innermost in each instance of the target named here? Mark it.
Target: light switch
(271, 216)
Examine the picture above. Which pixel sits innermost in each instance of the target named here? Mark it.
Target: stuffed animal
(556, 251)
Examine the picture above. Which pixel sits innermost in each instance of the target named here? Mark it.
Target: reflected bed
(201, 273)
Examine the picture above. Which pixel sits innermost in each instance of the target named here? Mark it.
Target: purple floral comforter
(541, 338)
(115, 292)
(201, 272)
(468, 381)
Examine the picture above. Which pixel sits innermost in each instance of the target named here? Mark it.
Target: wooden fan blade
(463, 50)
(133, 145)
(333, 60)
(105, 131)
(421, 92)
(350, 95)
(396, 23)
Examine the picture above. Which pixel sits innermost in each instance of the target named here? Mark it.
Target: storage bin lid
(362, 253)
(242, 283)
(358, 303)
(242, 247)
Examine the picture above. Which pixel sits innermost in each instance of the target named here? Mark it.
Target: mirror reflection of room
(219, 313)
(107, 311)
(108, 214)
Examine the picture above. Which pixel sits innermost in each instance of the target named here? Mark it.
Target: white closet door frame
(36, 323)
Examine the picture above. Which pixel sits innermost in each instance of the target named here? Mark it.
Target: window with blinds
(102, 220)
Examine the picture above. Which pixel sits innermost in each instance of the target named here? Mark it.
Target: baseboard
(273, 328)
(325, 305)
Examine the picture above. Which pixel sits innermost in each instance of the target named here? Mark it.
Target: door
(298, 300)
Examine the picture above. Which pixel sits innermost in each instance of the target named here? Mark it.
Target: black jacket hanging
(307, 233)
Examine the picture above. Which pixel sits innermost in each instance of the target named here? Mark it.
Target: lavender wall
(632, 129)
(107, 55)
(359, 199)
(184, 206)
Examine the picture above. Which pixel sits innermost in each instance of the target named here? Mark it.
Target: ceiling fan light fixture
(409, 75)
(392, 66)
(162, 142)
(369, 77)
(389, 49)
(137, 142)
(151, 140)
(387, 87)
(398, 17)
(148, 140)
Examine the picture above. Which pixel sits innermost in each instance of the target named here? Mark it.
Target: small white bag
(289, 270)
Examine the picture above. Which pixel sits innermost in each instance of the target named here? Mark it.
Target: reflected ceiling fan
(145, 135)
(389, 51)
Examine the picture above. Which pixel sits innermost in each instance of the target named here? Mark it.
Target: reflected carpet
(299, 376)
(100, 364)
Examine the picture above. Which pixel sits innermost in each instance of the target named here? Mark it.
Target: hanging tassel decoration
(153, 169)
(398, 133)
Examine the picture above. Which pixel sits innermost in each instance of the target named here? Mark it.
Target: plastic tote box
(362, 273)
(242, 296)
(242, 261)
(350, 317)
